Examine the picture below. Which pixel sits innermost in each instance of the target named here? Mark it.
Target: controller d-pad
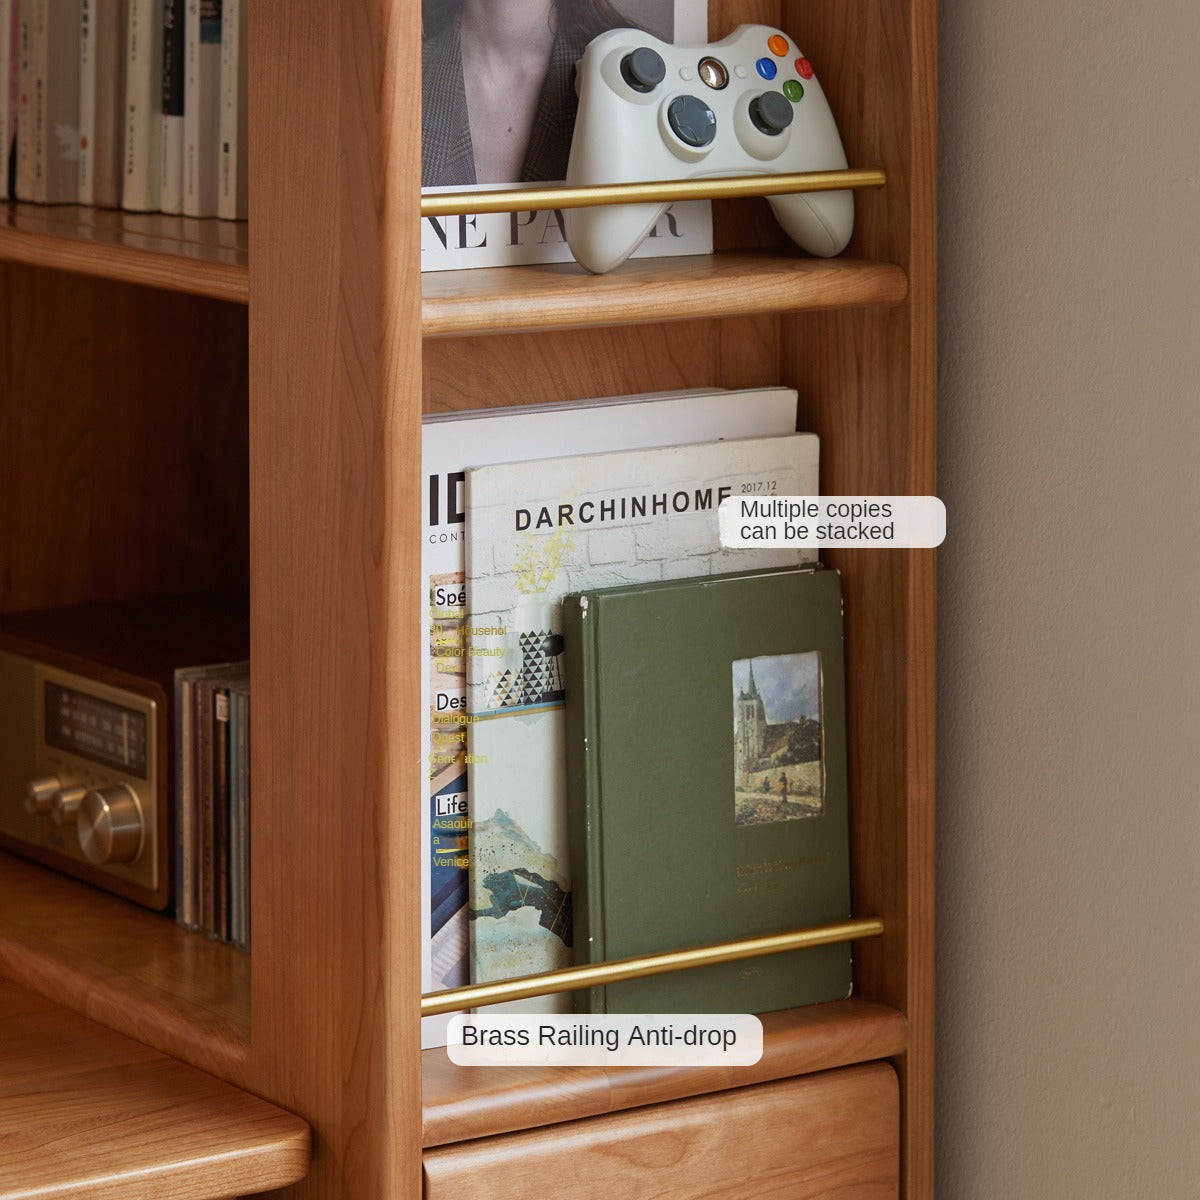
(771, 113)
(692, 121)
(643, 69)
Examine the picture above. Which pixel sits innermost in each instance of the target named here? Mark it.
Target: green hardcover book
(707, 784)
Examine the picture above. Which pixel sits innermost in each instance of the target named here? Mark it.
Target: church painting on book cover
(778, 739)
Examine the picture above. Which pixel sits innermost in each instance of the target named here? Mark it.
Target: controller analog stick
(692, 120)
(643, 69)
(771, 113)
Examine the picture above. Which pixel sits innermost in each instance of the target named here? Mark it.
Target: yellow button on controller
(778, 45)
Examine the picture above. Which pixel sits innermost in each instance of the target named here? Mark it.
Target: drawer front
(831, 1136)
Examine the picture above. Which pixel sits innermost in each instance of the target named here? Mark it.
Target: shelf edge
(126, 264)
(461, 1103)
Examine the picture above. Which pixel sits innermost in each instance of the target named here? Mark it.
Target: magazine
(498, 109)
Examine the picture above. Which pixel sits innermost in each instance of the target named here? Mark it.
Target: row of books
(133, 104)
(718, 808)
(212, 801)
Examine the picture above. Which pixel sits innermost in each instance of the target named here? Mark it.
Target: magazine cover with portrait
(498, 108)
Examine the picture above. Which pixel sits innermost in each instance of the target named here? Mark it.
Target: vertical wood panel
(871, 380)
(334, 356)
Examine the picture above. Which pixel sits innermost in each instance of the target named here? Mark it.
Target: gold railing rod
(561, 195)
(573, 978)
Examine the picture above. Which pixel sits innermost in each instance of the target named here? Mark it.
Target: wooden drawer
(831, 1136)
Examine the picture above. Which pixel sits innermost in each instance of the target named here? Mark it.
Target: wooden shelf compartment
(130, 969)
(97, 1116)
(461, 1103)
(563, 296)
(180, 254)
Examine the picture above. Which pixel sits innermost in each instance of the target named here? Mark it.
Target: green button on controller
(793, 89)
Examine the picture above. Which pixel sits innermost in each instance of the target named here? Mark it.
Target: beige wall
(1069, 785)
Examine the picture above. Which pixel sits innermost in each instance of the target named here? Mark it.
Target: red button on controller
(804, 68)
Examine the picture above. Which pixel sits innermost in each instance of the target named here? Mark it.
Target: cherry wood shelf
(461, 1103)
(181, 254)
(133, 970)
(91, 1114)
(564, 296)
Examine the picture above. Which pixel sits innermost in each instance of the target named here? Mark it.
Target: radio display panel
(98, 730)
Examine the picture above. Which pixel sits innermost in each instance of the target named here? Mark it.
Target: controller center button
(804, 68)
(643, 69)
(793, 89)
(771, 113)
(693, 122)
(766, 67)
(713, 73)
(778, 45)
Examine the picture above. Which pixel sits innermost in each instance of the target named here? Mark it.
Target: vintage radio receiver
(87, 735)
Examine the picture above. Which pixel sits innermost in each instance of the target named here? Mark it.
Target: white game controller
(747, 105)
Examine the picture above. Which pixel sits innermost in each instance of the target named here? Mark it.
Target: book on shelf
(101, 101)
(48, 106)
(482, 129)
(201, 110)
(212, 801)
(539, 531)
(450, 443)
(141, 188)
(706, 770)
(10, 69)
(231, 133)
(171, 123)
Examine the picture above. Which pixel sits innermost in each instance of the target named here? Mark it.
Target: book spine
(59, 135)
(108, 102)
(6, 114)
(231, 199)
(88, 18)
(31, 112)
(583, 793)
(202, 54)
(171, 127)
(141, 190)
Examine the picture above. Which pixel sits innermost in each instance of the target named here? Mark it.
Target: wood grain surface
(133, 970)
(536, 299)
(179, 254)
(123, 459)
(334, 596)
(823, 1136)
(470, 1102)
(869, 388)
(93, 1115)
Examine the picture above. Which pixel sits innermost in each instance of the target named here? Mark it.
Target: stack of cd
(212, 800)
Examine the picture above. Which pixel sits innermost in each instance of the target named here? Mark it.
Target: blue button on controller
(766, 68)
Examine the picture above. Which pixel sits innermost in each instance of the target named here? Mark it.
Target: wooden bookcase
(180, 411)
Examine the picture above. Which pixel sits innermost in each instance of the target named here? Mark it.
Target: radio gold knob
(66, 805)
(109, 824)
(40, 794)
